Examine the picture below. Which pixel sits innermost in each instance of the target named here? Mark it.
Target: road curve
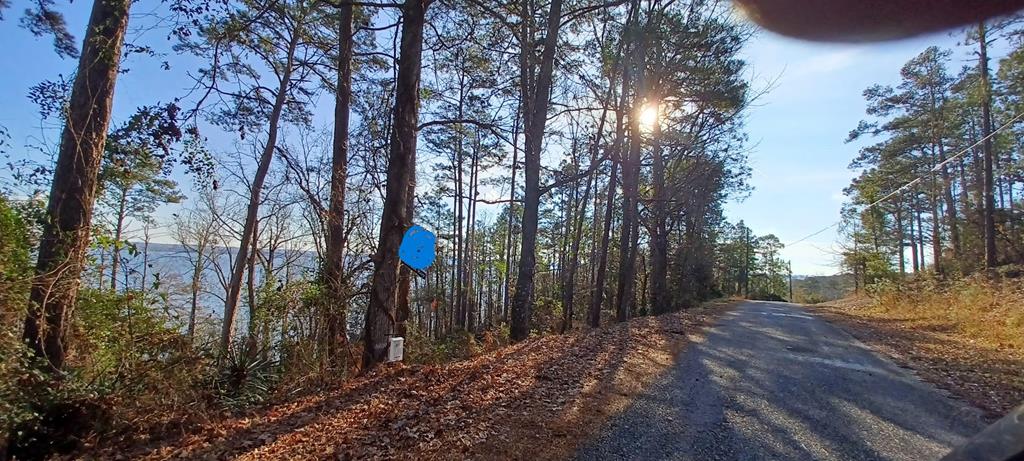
(773, 381)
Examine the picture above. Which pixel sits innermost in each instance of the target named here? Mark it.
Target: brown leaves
(534, 399)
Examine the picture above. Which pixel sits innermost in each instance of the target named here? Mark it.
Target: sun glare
(648, 117)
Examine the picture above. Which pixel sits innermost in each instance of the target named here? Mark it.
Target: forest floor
(538, 399)
(968, 365)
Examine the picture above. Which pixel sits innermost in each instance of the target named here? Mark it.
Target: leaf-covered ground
(534, 400)
(980, 371)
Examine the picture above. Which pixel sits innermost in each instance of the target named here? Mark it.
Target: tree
(380, 313)
(196, 232)
(337, 321)
(986, 131)
(537, 89)
(132, 176)
(72, 196)
(258, 42)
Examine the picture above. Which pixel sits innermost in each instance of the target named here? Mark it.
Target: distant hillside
(820, 288)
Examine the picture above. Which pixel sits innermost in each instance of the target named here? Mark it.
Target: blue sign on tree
(417, 249)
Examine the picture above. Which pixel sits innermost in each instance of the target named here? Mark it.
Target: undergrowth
(989, 310)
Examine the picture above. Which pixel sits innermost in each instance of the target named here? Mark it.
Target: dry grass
(966, 336)
(538, 399)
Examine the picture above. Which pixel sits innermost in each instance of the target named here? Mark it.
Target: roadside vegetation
(536, 399)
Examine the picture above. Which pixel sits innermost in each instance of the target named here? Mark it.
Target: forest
(939, 191)
(238, 243)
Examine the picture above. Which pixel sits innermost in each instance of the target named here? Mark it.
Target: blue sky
(798, 157)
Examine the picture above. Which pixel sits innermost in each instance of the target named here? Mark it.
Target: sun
(648, 117)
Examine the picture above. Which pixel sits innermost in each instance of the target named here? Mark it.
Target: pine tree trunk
(659, 236)
(522, 303)
(380, 314)
(507, 288)
(65, 239)
(252, 211)
(986, 130)
(936, 229)
(594, 315)
(402, 308)
(334, 265)
(630, 192)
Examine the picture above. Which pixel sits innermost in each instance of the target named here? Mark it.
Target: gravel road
(772, 381)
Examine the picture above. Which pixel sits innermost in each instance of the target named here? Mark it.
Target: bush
(130, 373)
(547, 316)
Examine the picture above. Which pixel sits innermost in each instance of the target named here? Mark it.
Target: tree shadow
(988, 378)
(542, 390)
(760, 388)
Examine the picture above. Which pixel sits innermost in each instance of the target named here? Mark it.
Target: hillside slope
(538, 398)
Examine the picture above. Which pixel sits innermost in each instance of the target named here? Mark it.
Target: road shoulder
(989, 379)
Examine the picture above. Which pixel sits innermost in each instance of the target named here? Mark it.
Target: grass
(989, 314)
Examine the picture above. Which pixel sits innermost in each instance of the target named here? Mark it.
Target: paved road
(772, 381)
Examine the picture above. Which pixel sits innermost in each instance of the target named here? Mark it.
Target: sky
(798, 157)
(797, 154)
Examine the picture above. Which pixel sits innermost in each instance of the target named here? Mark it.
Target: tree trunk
(522, 303)
(196, 285)
(115, 262)
(915, 263)
(986, 130)
(594, 316)
(334, 266)
(630, 196)
(402, 308)
(947, 193)
(460, 255)
(507, 295)
(380, 314)
(252, 211)
(936, 229)
(659, 236)
(920, 241)
(65, 238)
(469, 303)
(901, 238)
(250, 279)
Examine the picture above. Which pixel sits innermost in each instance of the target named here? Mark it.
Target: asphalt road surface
(773, 381)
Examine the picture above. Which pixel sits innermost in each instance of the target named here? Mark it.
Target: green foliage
(421, 348)
(15, 260)
(547, 316)
(751, 265)
(248, 376)
(129, 369)
(819, 289)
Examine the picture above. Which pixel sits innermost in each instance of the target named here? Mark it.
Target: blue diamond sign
(417, 248)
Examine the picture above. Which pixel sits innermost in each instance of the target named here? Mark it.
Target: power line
(816, 233)
(934, 169)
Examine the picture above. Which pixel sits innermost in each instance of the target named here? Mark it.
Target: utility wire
(910, 184)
